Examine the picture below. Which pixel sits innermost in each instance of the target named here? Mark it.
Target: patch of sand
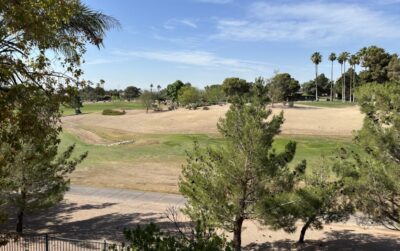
(301, 120)
(140, 175)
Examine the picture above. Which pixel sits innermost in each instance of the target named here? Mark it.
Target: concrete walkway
(127, 194)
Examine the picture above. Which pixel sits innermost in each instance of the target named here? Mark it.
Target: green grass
(327, 104)
(100, 106)
(172, 147)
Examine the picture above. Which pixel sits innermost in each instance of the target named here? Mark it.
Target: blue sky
(205, 41)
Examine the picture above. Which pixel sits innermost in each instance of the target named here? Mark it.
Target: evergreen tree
(236, 88)
(228, 183)
(394, 69)
(282, 87)
(322, 199)
(378, 166)
(34, 174)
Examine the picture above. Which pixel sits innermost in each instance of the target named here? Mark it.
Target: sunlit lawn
(100, 106)
(153, 152)
(327, 104)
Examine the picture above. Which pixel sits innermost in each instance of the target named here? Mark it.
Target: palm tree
(343, 57)
(158, 88)
(91, 24)
(340, 61)
(356, 62)
(151, 87)
(316, 58)
(332, 58)
(361, 55)
(352, 62)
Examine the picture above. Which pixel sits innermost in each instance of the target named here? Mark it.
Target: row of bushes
(113, 112)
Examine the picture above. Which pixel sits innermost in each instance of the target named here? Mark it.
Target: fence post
(105, 245)
(47, 242)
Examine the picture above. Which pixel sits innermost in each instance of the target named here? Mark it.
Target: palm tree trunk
(351, 83)
(332, 82)
(344, 81)
(316, 83)
(354, 82)
(341, 72)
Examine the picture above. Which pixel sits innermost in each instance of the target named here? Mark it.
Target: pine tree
(323, 198)
(378, 166)
(228, 183)
(34, 174)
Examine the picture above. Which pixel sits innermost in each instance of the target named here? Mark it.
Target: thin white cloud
(311, 22)
(188, 22)
(100, 61)
(173, 23)
(215, 1)
(201, 59)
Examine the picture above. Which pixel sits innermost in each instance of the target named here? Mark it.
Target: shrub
(206, 108)
(151, 238)
(113, 112)
(157, 109)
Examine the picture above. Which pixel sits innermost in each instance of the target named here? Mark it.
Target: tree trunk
(344, 81)
(341, 71)
(20, 222)
(237, 234)
(316, 82)
(351, 82)
(304, 229)
(332, 82)
(354, 82)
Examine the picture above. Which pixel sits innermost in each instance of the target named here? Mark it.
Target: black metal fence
(53, 243)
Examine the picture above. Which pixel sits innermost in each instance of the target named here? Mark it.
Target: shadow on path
(57, 221)
(335, 241)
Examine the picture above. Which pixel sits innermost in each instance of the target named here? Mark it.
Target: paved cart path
(128, 195)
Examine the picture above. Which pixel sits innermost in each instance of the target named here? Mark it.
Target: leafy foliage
(151, 238)
(322, 199)
(34, 174)
(350, 78)
(131, 92)
(147, 98)
(214, 94)
(236, 88)
(282, 87)
(394, 69)
(173, 90)
(378, 188)
(375, 61)
(189, 95)
(324, 86)
(31, 173)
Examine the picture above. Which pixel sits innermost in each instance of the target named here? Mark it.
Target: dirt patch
(99, 218)
(302, 120)
(143, 175)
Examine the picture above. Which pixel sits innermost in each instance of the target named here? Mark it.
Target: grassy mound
(113, 112)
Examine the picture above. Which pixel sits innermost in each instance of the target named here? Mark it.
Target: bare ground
(145, 175)
(302, 120)
(99, 218)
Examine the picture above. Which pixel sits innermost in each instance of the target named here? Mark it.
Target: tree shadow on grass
(345, 240)
(58, 221)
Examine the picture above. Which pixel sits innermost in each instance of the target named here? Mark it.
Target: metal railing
(53, 243)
